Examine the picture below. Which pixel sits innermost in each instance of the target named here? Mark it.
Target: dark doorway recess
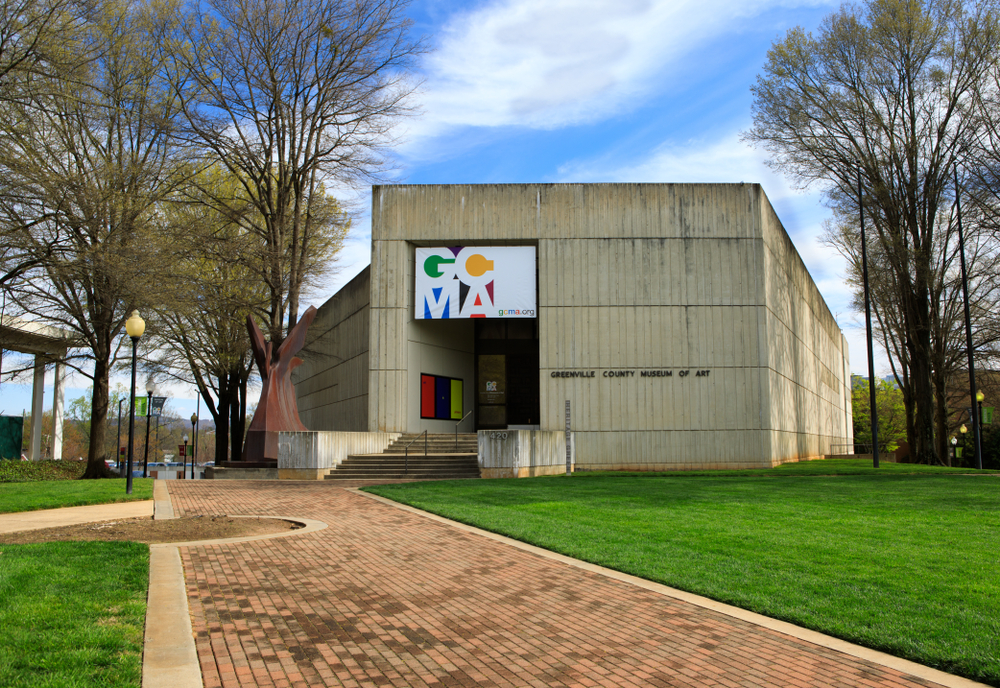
(506, 373)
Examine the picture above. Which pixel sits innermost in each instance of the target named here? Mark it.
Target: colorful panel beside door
(440, 397)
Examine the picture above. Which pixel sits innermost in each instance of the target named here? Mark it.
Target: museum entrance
(506, 373)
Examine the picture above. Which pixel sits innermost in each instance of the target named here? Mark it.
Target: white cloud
(551, 63)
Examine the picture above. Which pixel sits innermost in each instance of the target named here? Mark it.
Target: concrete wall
(311, 455)
(806, 355)
(523, 453)
(667, 277)
(332, 382)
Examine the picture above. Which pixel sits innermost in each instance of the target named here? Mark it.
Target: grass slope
(906, 564)
(52, 494)
(72, 614)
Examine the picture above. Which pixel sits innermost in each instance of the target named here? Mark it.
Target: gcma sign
(475, 282)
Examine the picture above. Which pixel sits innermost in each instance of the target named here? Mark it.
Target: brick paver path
(384, 597)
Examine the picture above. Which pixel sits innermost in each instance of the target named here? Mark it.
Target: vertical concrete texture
(332, 383)
(709, 344)
(523, 453)
(311, 455)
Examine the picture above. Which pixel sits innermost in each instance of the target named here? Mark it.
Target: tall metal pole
(968, 332)
(868, 325)
(196, 429)
(118, 439)
(131, 420)
(145, 458)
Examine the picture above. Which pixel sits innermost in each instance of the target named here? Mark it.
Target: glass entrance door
(507, 384)
(491, 388)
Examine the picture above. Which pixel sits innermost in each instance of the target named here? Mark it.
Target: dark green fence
(11, 428)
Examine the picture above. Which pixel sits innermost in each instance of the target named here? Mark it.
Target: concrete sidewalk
(73, 515)
(390, 596)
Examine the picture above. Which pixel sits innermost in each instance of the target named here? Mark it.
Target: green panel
(987, 415)
(456, 399)
(11, 428)
(140, 407)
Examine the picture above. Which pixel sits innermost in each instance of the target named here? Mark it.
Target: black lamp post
(149, 408)
(184, 459)
(134, 327)
(980, 398)
(118, 439)
(194, 439)
(873, 407)
(976, 429)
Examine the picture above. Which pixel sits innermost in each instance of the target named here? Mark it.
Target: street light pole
(980, 397)
(184, 459)
(149, 408)
(868, 326)
(976, 432)
(134, 327)
(118, 439)
(194, 439)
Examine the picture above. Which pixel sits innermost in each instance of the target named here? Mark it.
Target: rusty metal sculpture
(277, 410)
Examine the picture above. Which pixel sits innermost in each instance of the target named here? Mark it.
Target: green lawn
(52, 494)
(72, 614)
(907, 564)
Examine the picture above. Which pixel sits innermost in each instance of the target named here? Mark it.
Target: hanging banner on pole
(157, 405)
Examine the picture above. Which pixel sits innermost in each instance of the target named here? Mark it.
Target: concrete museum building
(677, 320)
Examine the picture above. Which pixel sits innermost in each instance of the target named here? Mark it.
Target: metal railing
(406, 451)
(456, 428)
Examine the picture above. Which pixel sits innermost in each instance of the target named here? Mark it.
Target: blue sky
(590, 91)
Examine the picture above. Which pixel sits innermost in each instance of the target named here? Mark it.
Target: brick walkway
(384, 597)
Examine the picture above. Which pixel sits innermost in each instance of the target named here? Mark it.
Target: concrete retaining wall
(523, 453)
(311, 455)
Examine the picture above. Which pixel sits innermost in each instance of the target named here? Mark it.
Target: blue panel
(442, 397)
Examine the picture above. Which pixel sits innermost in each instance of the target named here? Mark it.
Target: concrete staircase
(443, 461)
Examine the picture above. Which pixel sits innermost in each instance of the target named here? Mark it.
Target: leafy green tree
(85, 164)
(891, 414)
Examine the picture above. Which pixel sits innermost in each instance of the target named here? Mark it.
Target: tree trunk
(222, 419)
(97, 452)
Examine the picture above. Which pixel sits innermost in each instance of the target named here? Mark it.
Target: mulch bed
(145, 529)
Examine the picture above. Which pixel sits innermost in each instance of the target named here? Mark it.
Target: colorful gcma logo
(475, 282)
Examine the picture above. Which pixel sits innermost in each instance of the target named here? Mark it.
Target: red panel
(426, 396)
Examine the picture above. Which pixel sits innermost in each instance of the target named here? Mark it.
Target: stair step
(443, 460)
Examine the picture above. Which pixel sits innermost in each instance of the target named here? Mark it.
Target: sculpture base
(261, 445)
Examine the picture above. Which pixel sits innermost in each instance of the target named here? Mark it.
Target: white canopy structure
(49, 345)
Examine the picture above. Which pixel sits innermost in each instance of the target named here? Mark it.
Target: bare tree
(891, 91)
(202, 315)
(84, 164)
(293, 96)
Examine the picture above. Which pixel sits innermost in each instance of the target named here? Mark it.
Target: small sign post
(569, 451)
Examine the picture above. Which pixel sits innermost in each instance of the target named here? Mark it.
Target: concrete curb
(162, 506)
(874, 656)
(170, 659)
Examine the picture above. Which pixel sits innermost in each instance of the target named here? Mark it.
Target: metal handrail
(456, 427)
(406, 451)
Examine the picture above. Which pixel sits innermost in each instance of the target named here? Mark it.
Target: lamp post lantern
(954, 443)
(134, 327)
(149, 408)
